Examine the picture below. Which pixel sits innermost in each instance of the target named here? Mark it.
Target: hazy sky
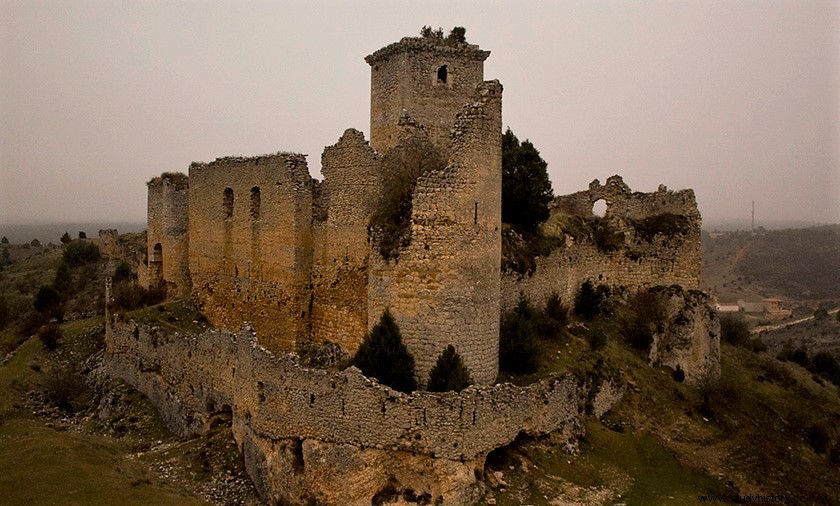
(739, 100)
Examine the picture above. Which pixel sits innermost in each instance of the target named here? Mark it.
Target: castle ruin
(258, 240)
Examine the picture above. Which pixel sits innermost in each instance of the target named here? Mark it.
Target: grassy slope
(662, 444)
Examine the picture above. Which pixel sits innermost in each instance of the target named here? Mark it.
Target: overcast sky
(739, 100)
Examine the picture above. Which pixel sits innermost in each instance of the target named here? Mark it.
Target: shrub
(556, 310)
(520, 252)
(6, 256)
(449, 373)
(526, 189)
(122, 272)
(47, 299)
(591, 301)
(457, 34)
(382, 355)
(818, 437)
(518, 349)
(402, 166)
(78, 253)
(664, 224)
(734, 330)
(50, 336)
(65, 239)
(597, 338)
(128, 295)
(35, 243)
(66, 388)
(821, 313)
(5, 314)
(82, 235)
(824, 364)
(607, 239)
(63, 282)
(4, 240)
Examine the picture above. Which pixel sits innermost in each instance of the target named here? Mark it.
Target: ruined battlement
(425, 44)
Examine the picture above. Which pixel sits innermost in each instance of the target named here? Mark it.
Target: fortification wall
(640, 261)
(404, 77)
(287, 418)
(251, 244)
(443, 288)
(167, 234)
(351, 186)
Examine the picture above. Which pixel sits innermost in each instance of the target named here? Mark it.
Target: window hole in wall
(442, 74)
(227, 203)
(599, 208)
(157, 253)
(255, 203)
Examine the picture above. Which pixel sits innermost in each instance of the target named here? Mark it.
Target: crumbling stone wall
(250, 241)
(287, 418)
(167, 234)
(638, 263)
(443, 288)
(352, 183)
(405, 77)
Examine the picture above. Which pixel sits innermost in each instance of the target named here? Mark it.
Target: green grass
(177, 316)
(41, 465)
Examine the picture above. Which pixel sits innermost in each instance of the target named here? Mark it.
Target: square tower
(429, 78)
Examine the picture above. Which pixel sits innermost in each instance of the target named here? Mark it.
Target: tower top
(443, 46)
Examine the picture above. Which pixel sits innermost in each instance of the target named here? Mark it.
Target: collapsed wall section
(655, 241)
(251, 244)
(168, 234)
(286, 417)
(351, 186)
(443, 287)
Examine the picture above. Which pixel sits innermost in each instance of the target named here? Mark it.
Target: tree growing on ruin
(402, 166)
(384, 356)
(526, 189)
(449, 373)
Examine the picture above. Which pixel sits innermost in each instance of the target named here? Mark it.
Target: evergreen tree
(35, 243)
(82, 235)
(66, 238)
(4, 240)
(526, 189)
(63, 282)
(449, 373)
(382, 355)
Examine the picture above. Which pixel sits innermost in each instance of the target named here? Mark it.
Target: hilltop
(767, 428)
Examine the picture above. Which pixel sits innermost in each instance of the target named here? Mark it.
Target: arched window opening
(157, 253)
(599, 208)
(255, 203)
(228, 203)
(442, 74)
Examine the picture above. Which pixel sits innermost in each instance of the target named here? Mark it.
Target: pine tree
(526, 189)
(66, 238)
(382, 355)
(449, 373)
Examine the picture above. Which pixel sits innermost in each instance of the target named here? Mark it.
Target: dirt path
(788, 324)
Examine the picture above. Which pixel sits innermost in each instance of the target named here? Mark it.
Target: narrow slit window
(157, 253)
(227, 202)
(475, 216)
(442, 74)
(255, 203)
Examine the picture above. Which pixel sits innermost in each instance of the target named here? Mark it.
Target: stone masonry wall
(352, 183)
(251, 244)
(404, 77)
(443, 288)
(638, 264)
(167, 234)
(280, 408)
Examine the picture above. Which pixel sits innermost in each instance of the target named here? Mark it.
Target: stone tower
(168, 234)
(429, 78)
(443, 287)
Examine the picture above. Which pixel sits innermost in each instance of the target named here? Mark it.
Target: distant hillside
(51, 232)
(793, 263)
